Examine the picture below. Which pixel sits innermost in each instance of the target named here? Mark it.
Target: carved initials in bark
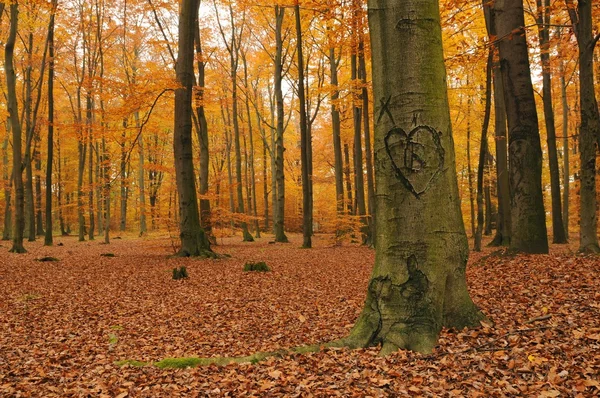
(417, 157)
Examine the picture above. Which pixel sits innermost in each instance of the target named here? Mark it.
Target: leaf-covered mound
(64, 325)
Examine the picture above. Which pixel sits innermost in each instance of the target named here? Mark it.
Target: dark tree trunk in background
(528, 218)
(50, 155)
(336, 127)
(502, 237)
(349, 203)
(483, 149)
(362, 65)
(307, 218)
(204, 162)
(543, 21)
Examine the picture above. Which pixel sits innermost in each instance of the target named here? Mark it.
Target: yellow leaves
(536, 360)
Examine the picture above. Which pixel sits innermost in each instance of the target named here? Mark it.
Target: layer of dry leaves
(64, 324)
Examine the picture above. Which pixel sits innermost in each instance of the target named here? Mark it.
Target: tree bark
(194, 241)
(336, 127)
(483, 149)
(418, 283)
(589, 135)
(543, 21)
(279, 205)
(204, 161)
(528, 218)
(304, 138)
(50, 151)
(368, 151)
(566, 148)
(13, 111)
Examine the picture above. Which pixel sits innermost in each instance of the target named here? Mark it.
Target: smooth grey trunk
(418, 282)
(279, 204)
(528, 217)
(124, 192)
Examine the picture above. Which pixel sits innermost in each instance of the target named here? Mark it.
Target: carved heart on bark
(417, 157)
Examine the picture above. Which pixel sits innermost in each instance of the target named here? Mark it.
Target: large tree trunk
(590, 127)
(279, 214)
(13, 110)
(528, 218)
(194, 241)
(418, 283)
(543, 20)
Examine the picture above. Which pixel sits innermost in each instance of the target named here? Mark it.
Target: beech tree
(528, 218)
(194, 241)
(15, 124)
(581, 17)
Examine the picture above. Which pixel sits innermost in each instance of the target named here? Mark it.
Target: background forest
(113, 82)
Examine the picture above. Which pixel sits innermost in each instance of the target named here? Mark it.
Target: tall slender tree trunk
(13, 110)
(503, 228)
(528, 218)
(418, 281)
(543, 20)
(39, 217)
(350, 202)
(367, 130)
(470, 168)
(336, 127)
(50, 152)
(483, 148)
(566, 148)
(204, 161)
(279, 148)
(8, 182)
(304, 138)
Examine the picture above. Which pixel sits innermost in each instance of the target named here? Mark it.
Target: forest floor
(64, 324)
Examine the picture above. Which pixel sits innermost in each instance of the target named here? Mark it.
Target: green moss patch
(256, 267)
(178, 363)
(107, 255)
